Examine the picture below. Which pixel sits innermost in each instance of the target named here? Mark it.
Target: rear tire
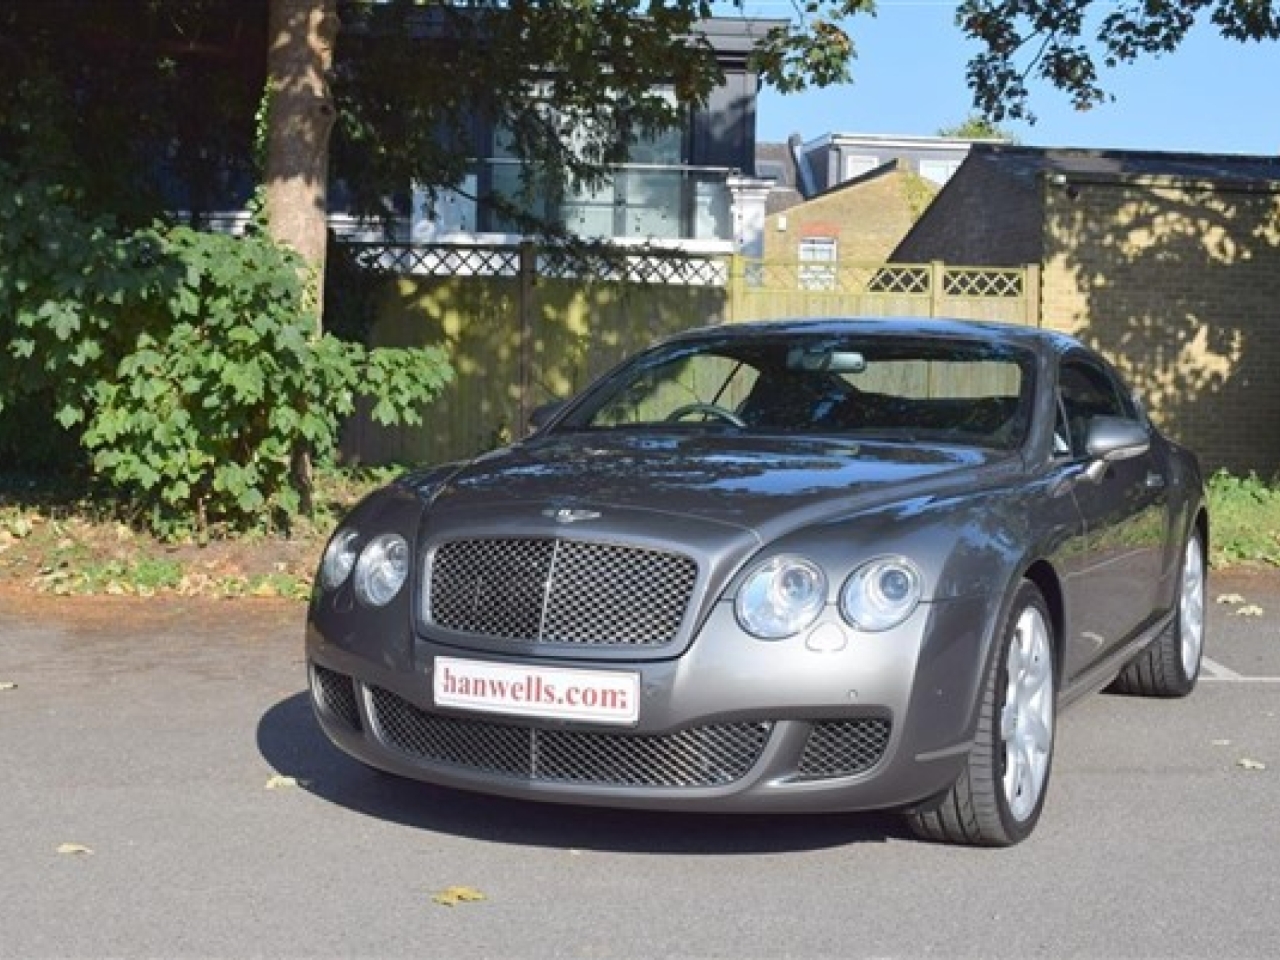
(998, 798)
(1171, 665)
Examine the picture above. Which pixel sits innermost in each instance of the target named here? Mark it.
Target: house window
(818, 263)
(856, 164)
(770, 170)
(938, 171)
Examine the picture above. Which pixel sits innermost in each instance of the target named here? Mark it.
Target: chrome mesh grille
(699, 757)
(559, 591)
(336, 693)
(842, 748)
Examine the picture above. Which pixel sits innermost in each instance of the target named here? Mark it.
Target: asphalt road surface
(142, 814)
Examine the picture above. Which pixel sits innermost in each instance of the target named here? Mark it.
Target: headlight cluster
(881, 594)
(378, 569)
(785, 594)
(781, 597)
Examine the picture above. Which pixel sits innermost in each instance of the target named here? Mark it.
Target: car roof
(1034, 338)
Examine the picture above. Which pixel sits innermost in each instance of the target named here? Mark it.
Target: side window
(1061, 433)
(1086, 390)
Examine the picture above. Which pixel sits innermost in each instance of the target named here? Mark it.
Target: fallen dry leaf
(74, 850)
(1248, 764)
(281, 782)
(1232, 598)
(1251, 610)
(452, 896)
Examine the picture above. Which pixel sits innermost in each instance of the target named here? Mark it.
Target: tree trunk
(300, 119)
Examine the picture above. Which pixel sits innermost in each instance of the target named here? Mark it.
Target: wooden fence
(765, 289)
(525, 326)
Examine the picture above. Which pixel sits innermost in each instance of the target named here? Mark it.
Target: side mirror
(1110, 439)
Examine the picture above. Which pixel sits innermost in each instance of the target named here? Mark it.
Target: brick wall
(867, 218)
(1178, 283)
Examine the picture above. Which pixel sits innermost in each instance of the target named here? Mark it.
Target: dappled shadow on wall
(1178, 287)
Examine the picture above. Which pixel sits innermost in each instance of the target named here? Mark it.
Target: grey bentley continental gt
(812, 565)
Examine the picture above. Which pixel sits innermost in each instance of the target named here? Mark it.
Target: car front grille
(548, 590)
(336, 694)
(698, 757)
(842, 748)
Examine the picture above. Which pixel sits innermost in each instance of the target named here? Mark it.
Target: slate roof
(776, 160)
(1225, 168)
(1002, 183)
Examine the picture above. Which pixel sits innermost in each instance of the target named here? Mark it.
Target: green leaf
(68, 416)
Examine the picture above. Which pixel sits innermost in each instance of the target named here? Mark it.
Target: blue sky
(1210, 96)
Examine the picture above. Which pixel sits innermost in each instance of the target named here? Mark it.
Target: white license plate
(596, 696)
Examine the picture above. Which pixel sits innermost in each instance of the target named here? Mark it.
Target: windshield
(926, 389)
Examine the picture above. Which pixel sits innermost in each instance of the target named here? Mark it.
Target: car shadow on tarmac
(291, 741)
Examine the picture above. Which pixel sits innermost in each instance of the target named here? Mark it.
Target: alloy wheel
(1191, 608)
(1026, 720)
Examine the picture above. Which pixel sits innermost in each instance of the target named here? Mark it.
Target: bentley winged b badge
(569, 515)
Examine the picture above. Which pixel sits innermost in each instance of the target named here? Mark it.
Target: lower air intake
(699, 757)
(842, 748)
(336, 695)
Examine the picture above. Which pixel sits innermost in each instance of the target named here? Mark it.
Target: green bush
(1244, 514)
(185, 366)
(71, 292)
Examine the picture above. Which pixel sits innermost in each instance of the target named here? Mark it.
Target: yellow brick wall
(1179, 285)
(868, 219)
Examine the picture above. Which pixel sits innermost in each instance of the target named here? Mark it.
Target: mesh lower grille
(559, 591)
(336, 693)
(842, 748)
(699, 757)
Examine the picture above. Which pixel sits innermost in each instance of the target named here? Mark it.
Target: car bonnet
(635, 481)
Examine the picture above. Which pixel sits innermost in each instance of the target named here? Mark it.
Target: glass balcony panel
(652, 202)
(638, 202)
(712, 216)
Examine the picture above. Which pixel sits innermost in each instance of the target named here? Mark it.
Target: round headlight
(781, 597)
(382, 569)
(880, 594)
(339, 558)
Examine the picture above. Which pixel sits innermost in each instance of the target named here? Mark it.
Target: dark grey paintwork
(1101, 535)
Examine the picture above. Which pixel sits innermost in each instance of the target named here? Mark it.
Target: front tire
(1171, 665)
(997, 800)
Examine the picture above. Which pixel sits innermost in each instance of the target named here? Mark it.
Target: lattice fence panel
(818, 277)
(982, 283)
(646, 268)
(439, 261)
(908, 280)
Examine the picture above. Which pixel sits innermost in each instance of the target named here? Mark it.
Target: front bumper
(733, 724)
